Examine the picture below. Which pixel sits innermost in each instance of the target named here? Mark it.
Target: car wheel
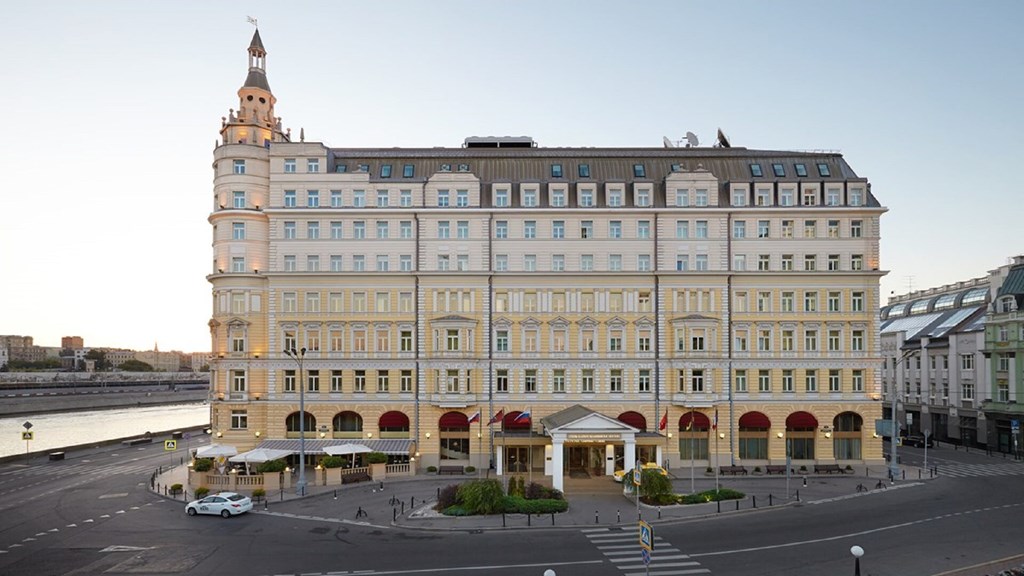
(191, 511)
(225, 514)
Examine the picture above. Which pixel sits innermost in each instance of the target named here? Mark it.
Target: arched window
(292, 425)
(753, 436)
(348, 425)
(393, 424)
(634, 419)
(800, 432)
(847, 441)
(693, 435)
(453, 430)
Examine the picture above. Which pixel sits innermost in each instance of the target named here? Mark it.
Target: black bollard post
(265, 501)
(438, 492)
(282, 494)
(552, 518)
(335, 493)
(403, 506)
(904, 473)
(596, 521)
(754, 500)
(412, 502)
(381, 484)
(618, 516)
(797, 495)
(394, 514)
(918, 473)
(528, 521)
(502, 519)
(719, 503)
(769, 500)
(659, 512)
(737, 504)
(805, 481)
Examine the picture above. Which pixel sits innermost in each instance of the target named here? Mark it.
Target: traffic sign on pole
(170, 445)
(645, 555)
(637, 474)
(27, 435)
(646, 536)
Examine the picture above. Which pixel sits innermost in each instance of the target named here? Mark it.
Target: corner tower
(254, 122)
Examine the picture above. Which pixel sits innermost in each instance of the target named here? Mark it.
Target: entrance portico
(580, 427)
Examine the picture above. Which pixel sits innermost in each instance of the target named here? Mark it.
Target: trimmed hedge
(271, 466)
(518, 505)
(201, 492)
(332, 461)
(203, 464)
(377, 458)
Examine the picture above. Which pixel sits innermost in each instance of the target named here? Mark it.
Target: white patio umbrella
(216, 451)
(260, 455)
(346, 450)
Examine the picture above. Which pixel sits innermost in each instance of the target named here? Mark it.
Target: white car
(226, 504)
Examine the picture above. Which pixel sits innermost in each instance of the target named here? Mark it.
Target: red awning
(755, 420)
(634, 419)
(454, 420)
(801, 420)
(700, 421)
(394, 419)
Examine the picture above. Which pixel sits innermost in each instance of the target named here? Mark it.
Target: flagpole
(689, 429)
(480, 440)
(504, 450)
(715, 430)
(530, 453)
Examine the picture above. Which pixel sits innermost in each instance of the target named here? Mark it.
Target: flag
(664, 421)
(497, 417)
(714, 423)
(524, 415)
(475, 417)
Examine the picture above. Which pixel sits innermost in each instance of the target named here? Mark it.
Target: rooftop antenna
(668, 143)
(691, 140)
(910, 284)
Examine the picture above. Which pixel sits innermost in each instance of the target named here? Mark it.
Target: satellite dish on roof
(668, 143)
(691, 140)
(723, 141)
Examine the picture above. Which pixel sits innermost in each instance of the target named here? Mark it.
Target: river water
(54, 431)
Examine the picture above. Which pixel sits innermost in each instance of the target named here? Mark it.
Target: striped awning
(393, 446)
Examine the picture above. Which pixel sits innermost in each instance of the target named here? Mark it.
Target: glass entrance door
(583, 460)
(516, 458)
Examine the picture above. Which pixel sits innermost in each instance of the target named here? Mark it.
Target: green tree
(655, 487)
(99, 356)
(135, 366)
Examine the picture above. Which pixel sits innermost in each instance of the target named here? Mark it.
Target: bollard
(904, 474)
(552, 518)
(381, 484)
(618, 517)
(754, 500)
(596, 521)
(719, 502)
(918, 473)
(502, 519)
(737, 504)
(394, 514)
(265, 500)
(769, 500)
(282, 494)
(403, 506)
(659, 512)
(805, 481)
(797, 495)
(438, 492)
(528, 521)
(412, 502)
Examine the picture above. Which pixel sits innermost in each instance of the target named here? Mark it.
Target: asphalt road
(93, 514)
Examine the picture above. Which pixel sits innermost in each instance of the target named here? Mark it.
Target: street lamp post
(857, 552)
(894, 468)
(298, 356)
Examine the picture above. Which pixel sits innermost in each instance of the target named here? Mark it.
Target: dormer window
(556, 170)
(463, 167)
(779, 170)
(408, 171)
(755, 170)
(385, 171)
(823, 170)
(639, 171)
(801, 170)
(584, 170)
(446, 167)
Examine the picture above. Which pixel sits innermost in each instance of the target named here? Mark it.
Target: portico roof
(579, 418)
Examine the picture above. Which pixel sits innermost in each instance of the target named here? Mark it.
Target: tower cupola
(254, 121)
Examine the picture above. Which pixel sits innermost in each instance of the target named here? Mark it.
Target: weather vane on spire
(252, 21)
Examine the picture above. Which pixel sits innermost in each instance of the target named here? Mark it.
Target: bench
(827, 469)
(733, 470)
(775, 469)
(355, 477)
(450, 470)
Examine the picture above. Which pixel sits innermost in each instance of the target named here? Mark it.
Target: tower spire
(254, 122)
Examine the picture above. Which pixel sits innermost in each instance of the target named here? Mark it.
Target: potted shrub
(203, 464)
(201, 492)
(271, 471)
(470, 469)
(709, 470)
(332, 466)
(175, 489)
(757, 469)
(431, 469)
(259, 494)
(803, 468)
(378, 465)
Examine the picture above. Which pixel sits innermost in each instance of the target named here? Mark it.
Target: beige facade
(426, 285)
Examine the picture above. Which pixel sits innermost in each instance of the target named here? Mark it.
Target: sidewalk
(407, 502)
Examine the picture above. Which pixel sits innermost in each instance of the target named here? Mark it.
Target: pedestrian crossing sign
(27, 435)
(646, 536)
(170, 445)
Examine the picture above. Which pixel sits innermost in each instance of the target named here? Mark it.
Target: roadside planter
(378, 465)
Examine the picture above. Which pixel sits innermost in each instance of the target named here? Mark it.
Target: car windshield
(236, 497)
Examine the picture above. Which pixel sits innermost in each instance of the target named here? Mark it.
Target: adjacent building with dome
(503, 303)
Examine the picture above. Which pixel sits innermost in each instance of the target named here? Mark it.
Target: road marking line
(477, 568)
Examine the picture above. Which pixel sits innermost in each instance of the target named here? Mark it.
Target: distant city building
(603, 305)
(951, 356)
(117, 356)
(72, 342)
(22, 348)
(201, 360)
(160, 361)
(4, 357)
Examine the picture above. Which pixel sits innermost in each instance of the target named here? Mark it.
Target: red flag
(497, 417)
(475, 417)
(664, 421)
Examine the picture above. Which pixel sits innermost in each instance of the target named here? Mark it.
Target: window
(810, 301)
(615, 229)
(764, 197)
(382, 199)
(755, 170)
(697, 381)
(739, 262)
(834, 301)
(643, 262)
(501, 341)
(739, 197)
(740, 341)
(682, 198)
(810, 340)
(289, 199)
(359, 263)
(443, 262)
(740, 381)
(359, 382)
(810, 229)
(586, 197)
(810, 197)
(239, 199)
(764, 381)
(739, 229)
(615, 262)
(643, 197)
(787, 380)
(584, 170)
(335, 263)
(312, 165)
(529, 199)
(787, 262)
(763, 228)
(779, 170)
(501, 198)
(462, 262)
(787, 341)
(832, 197)
(556, 170)
(643, 229)
(558, 380)
(558, 229)
(359, 230)
(833, 229)
(682, 229)
(587, 229)
(530, 262)
(702, 229)
(530, 229)
(313, 230)
(289, 165)
(405, 198)
(834, 341)
(359, 198)
(615, 340)
(788, 299)
(336, 230)
(682, 262)
(312, 198)
(408, 171)
(501, 380)
(239, 167)
(857, 262)
(786, 197)
(462, 229)
(462, 198)
(702, 197)
(823, 170)
(701, 263)
(385, 171)
(811, 381)
(615, 380)
(501, 229)
(856, 196)
(442, 198)
(857, 341)
(587, 381)
(586, 262)
(810, 262)
(856, 228)
(238, 230)
(558, 197)
(857, 301)
(501, 262)
(639, 171)
(787, 228)
(801, 170)
(239, 419)
(697, 340)
(405, 341)
(764, 301)
(444, 229)
(313, 263)
(289, 263)
(359, 340)
(405, 229)
(383, 263)
(763, 262)
(289, 230)
(289, 305)
(857, 380)
(289, 380)
(335, 198)
(615, 198)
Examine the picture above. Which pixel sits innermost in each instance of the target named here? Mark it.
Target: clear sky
(112, 110)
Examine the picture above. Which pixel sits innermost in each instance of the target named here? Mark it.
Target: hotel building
(707, 304)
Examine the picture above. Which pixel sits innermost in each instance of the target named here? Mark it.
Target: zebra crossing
(77, 469)
(962, 470)
(622, 548)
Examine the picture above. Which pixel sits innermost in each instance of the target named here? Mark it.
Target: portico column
(500, 457)
(609, 459)
(659, 454)
(630, 453)
(557, 474)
